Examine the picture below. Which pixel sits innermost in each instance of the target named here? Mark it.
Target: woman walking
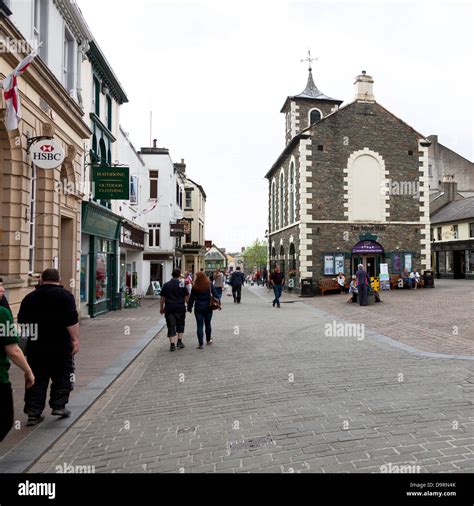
(201, 300)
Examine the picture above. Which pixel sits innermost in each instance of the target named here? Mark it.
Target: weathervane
(309, 60)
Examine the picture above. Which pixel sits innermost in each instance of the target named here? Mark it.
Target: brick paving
(328, 403)
(435, 320)
(103, 341)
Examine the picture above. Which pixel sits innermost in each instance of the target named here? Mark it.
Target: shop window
(470, 266)
(153, 235)
(396, 263)
(101, 277)
(153, 184)
(338, 264)
(449, 261)
(442, 261)
(408, 261)
(328, 265)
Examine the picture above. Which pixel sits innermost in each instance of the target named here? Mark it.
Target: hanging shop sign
(176, 229)
(47, 154)
(111, 183)
(186, 226)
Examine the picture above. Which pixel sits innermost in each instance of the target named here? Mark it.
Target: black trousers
(237, 292)
(57, 367)
(362, 289)
(6, 409)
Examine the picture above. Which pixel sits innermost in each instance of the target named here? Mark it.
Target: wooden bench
(394, 278)
(327, 285)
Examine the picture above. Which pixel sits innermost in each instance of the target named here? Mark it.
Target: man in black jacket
(51, 309)
(236, 281)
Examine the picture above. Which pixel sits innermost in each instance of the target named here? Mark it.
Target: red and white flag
(11, 94)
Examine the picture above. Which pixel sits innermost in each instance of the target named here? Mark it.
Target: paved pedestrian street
(285, 390)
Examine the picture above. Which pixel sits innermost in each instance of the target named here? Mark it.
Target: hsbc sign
(47, 154)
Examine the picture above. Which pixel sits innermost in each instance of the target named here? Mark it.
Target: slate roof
(455, 211)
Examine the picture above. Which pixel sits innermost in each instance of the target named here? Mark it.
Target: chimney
(180, 167)
(449, 187)
(364, 91)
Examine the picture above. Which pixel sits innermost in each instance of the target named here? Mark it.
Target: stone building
(195, 218)
(40, 221)
(350, 187)
(452, 232)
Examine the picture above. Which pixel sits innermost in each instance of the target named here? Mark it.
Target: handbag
(214, 303)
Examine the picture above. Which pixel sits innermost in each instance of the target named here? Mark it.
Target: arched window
(314, 116)
(273, 207)
(273, 258)
(292, 194)
(292, 257)
(282, 200)
(281, 260)
(102, 152)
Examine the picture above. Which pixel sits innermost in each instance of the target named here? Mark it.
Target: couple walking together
(175, 300)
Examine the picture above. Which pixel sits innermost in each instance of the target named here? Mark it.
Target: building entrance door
(459, 268)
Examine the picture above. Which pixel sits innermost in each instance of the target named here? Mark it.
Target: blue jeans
(203, 319)
(277, 290)
(218, 291)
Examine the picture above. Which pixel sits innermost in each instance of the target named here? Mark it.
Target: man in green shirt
(9, 350)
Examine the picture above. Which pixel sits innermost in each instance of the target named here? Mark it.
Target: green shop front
(99, 260)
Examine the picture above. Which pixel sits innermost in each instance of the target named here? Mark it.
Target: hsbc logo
(47, 154)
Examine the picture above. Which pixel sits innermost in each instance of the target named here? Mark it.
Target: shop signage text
(47, 154)
(111, 183)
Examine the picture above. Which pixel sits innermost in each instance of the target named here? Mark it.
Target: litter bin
(428, 279)
(307, 287)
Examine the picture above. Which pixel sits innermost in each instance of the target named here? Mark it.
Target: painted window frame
(153, 179)
(154, 235)
(309, 116)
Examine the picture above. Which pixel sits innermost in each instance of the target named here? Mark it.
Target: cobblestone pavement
(108, 343)
(435, 320)
(328, 403)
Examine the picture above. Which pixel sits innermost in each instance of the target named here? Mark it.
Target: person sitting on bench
(341, 281)
(414, 279)
(353, 290)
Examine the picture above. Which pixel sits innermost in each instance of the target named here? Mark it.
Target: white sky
(217, 73)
